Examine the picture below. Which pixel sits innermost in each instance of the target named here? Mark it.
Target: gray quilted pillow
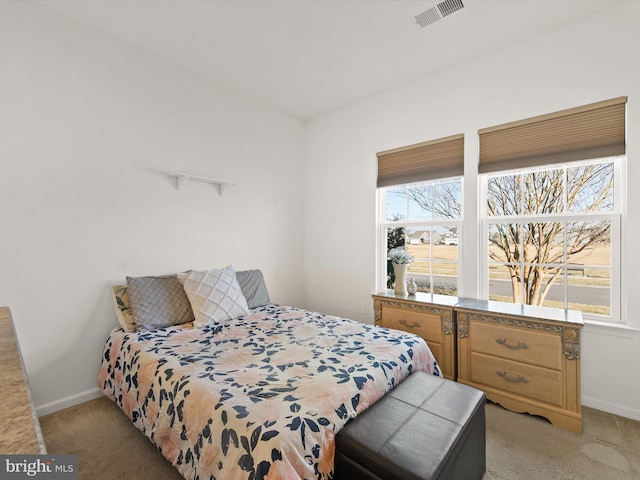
(253, 288)
(158, 302)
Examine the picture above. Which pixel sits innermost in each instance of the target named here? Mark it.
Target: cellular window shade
(440, 158)
(582, 133)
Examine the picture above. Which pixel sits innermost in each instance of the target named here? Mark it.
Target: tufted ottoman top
(426, 428)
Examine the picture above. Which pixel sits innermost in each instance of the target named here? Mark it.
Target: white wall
(590, 60)
(89, 128)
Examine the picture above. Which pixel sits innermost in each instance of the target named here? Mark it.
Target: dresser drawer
(514, 343)
(428, 316)
(527, 380)
(427, 325)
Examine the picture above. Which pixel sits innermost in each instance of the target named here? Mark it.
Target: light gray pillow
(215, 295)
(158, 302)
(253, 288)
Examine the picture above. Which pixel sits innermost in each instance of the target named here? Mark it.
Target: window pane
(504, 195)
(450, 236)
(504, 242)
(396, 205)
(433, 246)
(447, 200)
(419, 240)
(445, 265)
(443, 275)
(420, 202)
(543, 242)
(589, 243)
(549, 291)
(447, 246)
(543, 285)
(503, 285)
(426, 200)
(395, 239)
(590, 188)
(435, 264)
(543, 192)
(445, 285)
(420, 271)
(589, 266)
(552, 250)
(589, 290)
(421, 251)
(423, 284)
(420, 268)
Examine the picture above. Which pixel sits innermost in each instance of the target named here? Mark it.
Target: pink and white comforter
(260, 397)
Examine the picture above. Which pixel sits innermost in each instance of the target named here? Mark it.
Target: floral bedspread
(261, 397)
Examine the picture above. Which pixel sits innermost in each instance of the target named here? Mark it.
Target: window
(553, 236)
(553, 195)
(420, 194)
(426, 220)
(550, 211)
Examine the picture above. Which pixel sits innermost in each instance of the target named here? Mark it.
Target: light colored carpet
(108, 446)
(519, 446)
(525, 447)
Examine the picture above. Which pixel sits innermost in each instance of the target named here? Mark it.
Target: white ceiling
(308, 57)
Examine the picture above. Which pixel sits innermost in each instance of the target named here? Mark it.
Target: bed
(258, 396)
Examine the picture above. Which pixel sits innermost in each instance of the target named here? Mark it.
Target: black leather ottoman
(425, 428)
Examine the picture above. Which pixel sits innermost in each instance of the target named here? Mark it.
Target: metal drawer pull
(519, 379)
(520, 345)
(413, 325)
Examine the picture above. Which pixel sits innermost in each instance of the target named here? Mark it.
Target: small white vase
(400, 284)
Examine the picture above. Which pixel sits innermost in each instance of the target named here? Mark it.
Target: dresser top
(548, 314)
(420, 297)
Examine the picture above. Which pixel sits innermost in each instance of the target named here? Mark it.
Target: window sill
(611, 329)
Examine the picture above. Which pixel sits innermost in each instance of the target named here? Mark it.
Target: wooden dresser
(524, 358)
(427, 315)
(19, 427)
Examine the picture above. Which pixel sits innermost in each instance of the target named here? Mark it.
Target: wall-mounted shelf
(183, 177)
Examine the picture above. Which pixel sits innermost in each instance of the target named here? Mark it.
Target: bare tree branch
(535, 246)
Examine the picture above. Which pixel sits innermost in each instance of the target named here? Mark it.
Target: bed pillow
(122, 306)
(253, 288)
(158, 302)
(215, 295)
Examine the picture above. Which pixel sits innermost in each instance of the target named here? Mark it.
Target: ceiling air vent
(438, 12)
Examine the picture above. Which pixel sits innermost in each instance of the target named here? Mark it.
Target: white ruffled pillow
(215, 295)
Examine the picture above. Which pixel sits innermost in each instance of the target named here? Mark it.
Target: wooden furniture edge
(569, 417)
(558, 417)
(570, 331)
(21, 432)
(447, 325)
(417, 305)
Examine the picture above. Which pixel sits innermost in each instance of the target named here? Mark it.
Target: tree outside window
(552, 235)
(549, 235)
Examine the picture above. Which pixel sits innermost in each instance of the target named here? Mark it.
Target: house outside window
(552, 236)
(425, 219)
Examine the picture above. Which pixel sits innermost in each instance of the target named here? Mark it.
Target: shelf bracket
(183, 177)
